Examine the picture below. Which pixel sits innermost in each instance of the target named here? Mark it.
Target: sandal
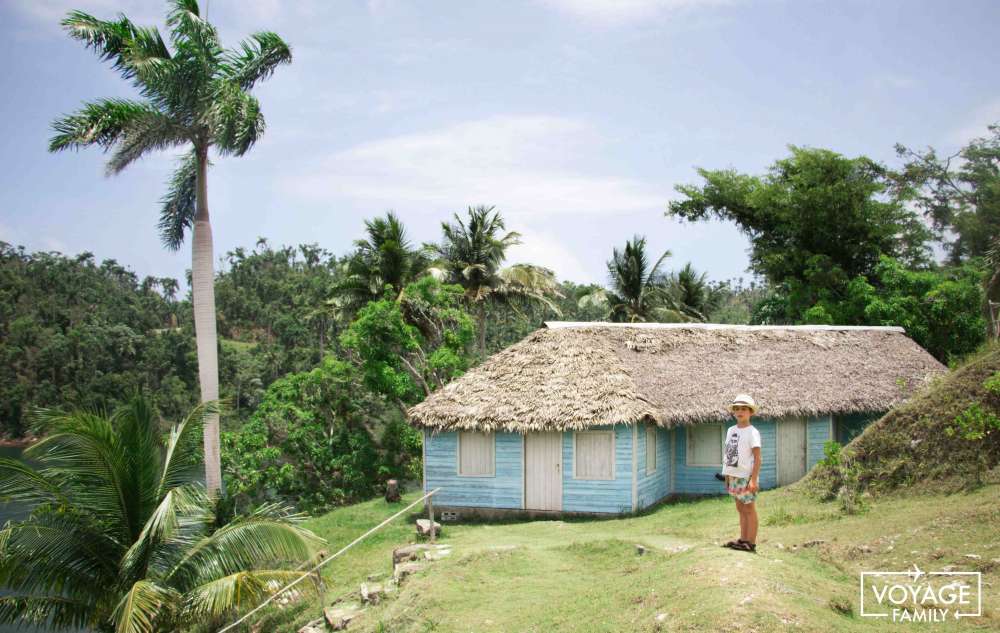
(746, 546)
(733, 543)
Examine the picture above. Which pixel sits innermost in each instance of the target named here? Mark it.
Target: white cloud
(528, 165)
(975, 127)
(542, 249)
(615, 12)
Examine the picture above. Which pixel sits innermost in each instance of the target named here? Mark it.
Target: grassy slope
(585, 575)
(908, 445)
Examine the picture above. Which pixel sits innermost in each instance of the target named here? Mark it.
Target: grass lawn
(586, 575)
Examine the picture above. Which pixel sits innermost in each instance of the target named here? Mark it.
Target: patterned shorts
(737, 487)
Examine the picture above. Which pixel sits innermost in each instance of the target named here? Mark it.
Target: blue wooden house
(611, 418)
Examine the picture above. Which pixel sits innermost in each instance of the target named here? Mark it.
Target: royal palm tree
(384, 258)
(122, 535)
(637, 291)
(471, 254)
(195, 95)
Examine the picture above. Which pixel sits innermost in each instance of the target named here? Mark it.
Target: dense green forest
(320, 353)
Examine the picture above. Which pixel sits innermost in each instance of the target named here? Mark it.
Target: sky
(574, 118)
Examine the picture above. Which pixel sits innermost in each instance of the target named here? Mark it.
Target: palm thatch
(578, 375)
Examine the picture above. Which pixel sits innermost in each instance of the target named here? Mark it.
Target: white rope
(324, 562)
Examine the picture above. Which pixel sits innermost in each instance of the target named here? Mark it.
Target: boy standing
(741, 467)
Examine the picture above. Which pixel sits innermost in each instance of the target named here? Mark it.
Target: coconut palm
(195, 95)
(471, 254)
(691, 292)
(385, 258)
(122, 536)
(637, 290)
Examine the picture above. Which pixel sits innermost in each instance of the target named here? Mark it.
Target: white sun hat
(743, 399)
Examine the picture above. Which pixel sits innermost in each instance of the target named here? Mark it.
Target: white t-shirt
(737, 453)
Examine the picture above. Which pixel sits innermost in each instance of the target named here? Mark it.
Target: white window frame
(651, 433)
(687, 448)
(458, 455)
(576, 456)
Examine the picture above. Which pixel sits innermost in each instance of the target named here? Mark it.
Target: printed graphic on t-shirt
(732, 449)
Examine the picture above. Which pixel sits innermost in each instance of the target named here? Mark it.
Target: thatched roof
(576, 375)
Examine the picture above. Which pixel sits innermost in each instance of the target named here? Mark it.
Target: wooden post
(430, 513)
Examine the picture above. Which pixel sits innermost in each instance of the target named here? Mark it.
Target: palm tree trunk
(203, 289)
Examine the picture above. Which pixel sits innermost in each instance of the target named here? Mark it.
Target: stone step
(404, 569)
(339, 616)
(424, 527)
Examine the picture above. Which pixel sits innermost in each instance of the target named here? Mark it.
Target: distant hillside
(910, 445)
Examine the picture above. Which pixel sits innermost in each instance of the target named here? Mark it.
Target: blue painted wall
(701, 480)
(848, 426)
(503, 490)
(768, 452)
(603, 495)
(654, 486)
(818, 432)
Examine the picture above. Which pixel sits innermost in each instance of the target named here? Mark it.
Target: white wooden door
(543, 471)
(791, 450)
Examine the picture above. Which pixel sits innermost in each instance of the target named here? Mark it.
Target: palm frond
(256, 59)
(180, 202)
(237, 120)
(236, 591)
(49, 611)
(84, 452)
(188, 27)
(143, 607)
(152, 130)
(134, 50)
(101, 123)
(180, 465)
(270, 533)
(161, 526)
(22, 483)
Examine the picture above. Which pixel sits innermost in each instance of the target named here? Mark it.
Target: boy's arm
(756, 469)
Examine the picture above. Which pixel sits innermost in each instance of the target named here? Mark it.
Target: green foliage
(960, 194)
(408, 347)
(312, 441)
(973, 424)
(831, 453)
(122, 536)
(470, 255)
(816, 221)
(939, 308)
(992, 384)
(75, 332)
(278, 299)
(639, 292)
(384, 261)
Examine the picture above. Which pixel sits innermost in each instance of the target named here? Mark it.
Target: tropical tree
(960, 195)
(195, 96)
(122, 536)
(692, 293)
(471, 254)
(638, 292)
(384, 258)
(815, 221)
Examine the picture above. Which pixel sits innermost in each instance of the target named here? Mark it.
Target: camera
(720, 476)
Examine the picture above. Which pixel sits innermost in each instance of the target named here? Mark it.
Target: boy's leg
(743, 519)
(750, 515)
